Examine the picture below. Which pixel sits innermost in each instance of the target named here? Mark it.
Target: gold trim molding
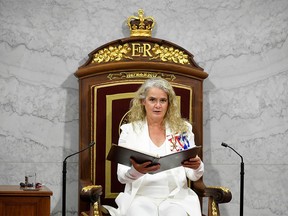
(226, 190)
(88, 188)
(135, 75)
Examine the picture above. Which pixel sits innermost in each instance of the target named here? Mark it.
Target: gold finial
(140, 26)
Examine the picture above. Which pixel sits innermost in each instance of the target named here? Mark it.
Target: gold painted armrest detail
(91, 193)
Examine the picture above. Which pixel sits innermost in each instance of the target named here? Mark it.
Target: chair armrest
(219, 194)
(216, 195)
(91, 194)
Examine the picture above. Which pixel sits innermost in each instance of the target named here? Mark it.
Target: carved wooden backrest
(107, 82)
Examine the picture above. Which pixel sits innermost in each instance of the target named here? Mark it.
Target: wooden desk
(15, 201)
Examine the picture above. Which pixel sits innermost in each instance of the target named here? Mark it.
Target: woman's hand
(144, 167)
(192, 163)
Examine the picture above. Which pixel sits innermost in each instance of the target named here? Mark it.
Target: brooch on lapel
(178, 142)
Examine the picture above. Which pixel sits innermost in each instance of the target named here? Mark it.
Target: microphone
(242, 177)
(64, 171)
(226, 145)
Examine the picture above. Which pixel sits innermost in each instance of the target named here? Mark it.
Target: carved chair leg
(95, 209)
(213, 208)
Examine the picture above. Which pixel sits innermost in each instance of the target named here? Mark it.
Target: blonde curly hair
(173, 117)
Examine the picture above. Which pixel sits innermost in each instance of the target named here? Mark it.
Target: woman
(156, 126)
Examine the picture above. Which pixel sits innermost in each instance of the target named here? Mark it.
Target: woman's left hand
(192, 163)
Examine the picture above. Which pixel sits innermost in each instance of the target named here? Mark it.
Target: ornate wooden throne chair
(107, 82)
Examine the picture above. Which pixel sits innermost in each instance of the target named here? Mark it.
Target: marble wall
(241, 44)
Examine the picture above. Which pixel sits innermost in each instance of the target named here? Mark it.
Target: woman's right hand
(144, 167)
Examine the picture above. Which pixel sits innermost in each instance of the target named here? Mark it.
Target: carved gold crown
(140, 26)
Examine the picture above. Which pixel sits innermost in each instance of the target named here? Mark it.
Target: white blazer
(137, 137)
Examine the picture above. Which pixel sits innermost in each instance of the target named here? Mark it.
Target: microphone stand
(241, 178)
(64, 171)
